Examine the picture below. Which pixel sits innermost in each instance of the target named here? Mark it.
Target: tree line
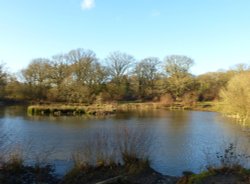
(80, 77)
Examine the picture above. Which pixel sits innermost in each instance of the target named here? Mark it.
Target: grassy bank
(202, 106)
(133, 170)
(71, 110)
(107, 109)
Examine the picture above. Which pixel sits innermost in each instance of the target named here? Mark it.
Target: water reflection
(180, 138)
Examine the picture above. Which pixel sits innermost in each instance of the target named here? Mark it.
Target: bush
(236, 97)
(166, 99)
(106, 154)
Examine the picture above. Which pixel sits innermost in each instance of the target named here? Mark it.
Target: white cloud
(88, 4)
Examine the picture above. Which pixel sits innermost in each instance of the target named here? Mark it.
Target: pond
(181, 140)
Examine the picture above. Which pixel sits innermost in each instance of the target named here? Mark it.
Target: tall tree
(14, 89)
(241, 67)
(119, 68)
(3, 80)
(37, 78)
(179, 79)
(86, 73)
(178, 65)
(82, 65)
(60, 69)
(146, 72)
(119, 65)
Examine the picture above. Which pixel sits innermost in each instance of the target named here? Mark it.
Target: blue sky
(215, 33)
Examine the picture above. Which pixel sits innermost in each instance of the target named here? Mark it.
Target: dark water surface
(181, 139)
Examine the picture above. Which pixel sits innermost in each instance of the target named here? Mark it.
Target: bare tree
(37, 77)
(3, 78)
(77, 55)
(82, 64)
(146, 72)
(59, 69)
(178, 65)
(179, 79)
(119, 64)
(86, 76)
(241, 67)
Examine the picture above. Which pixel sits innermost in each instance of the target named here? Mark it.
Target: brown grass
(126, 147)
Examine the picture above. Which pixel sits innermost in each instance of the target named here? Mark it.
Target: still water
(182, 140)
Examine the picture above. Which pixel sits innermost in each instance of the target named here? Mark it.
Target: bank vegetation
(80, 77)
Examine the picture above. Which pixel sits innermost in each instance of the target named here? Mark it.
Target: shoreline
(18, 172)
